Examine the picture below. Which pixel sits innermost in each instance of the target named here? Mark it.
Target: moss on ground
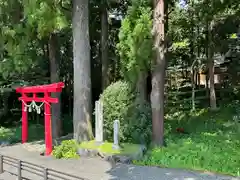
(106, 147)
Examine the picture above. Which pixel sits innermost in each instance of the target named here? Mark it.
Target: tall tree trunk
(207, 56)
(54, 73)
(82, 110)
(158, 75)
(213, 103)
(198, 54)
(193, 72)
(5, 104)
(17, 12)
(104, 44)
(192, 36)
(142, 86)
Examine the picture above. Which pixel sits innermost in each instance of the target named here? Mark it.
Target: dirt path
(97, 169)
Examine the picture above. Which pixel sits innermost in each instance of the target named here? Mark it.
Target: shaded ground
(96, 169)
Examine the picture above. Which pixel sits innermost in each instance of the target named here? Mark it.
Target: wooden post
(45, 175)
(1, 164)
(19, 170)
(24, 122)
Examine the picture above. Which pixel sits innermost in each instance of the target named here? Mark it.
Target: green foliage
(119, 103)
(213, 143)
(13, 135)
(6, 134)
(138, 128)
(67, 150)
(46, 15)
(117, 99)
(24, 27)
(135, 41)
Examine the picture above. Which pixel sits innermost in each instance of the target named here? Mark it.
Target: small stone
(82, 152)
(93, 153)
(123, 159)
(87, 152)
(110, 159)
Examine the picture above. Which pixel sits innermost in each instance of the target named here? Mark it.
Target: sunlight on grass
(211, 144)
(6, 133)
(106, 147)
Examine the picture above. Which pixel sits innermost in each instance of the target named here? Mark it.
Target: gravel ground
(97, 169)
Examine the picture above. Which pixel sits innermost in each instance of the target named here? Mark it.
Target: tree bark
(158, 75)
(82, 111)
(213, 103)
(191, 14)
(104, 45)
(54, 76)
(193, 72)
(5, 104)
(142, 87)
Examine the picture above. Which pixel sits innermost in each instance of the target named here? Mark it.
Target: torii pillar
(47, 99)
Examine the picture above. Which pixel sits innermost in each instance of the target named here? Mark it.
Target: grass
(12, 135)
(68, 149)
(212, 145)
(106, 147)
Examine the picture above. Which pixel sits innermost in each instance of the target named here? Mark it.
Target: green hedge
(120, 103)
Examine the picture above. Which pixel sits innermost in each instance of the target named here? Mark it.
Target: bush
(119, 102)
(67, 150)
(139, 124)
(117, 99)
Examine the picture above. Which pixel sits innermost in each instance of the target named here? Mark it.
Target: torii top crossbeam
(46, 89)
(55, 87)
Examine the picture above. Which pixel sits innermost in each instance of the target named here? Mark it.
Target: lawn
(213, 142)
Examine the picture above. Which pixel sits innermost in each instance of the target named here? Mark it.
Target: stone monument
(116, 128)
(98, 121)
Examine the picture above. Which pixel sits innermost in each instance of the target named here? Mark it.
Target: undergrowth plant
(212, 142)
(66, 150)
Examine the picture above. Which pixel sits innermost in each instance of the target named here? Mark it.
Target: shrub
(117, 99)
(119, 102)
(67, 150)
(139, 126)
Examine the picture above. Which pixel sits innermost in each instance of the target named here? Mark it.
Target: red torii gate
(46, 100)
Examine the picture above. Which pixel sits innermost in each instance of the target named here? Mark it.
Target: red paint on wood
(44, 99)
(48, 128)
(47, 99)
(55, 87)
(24, 124)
